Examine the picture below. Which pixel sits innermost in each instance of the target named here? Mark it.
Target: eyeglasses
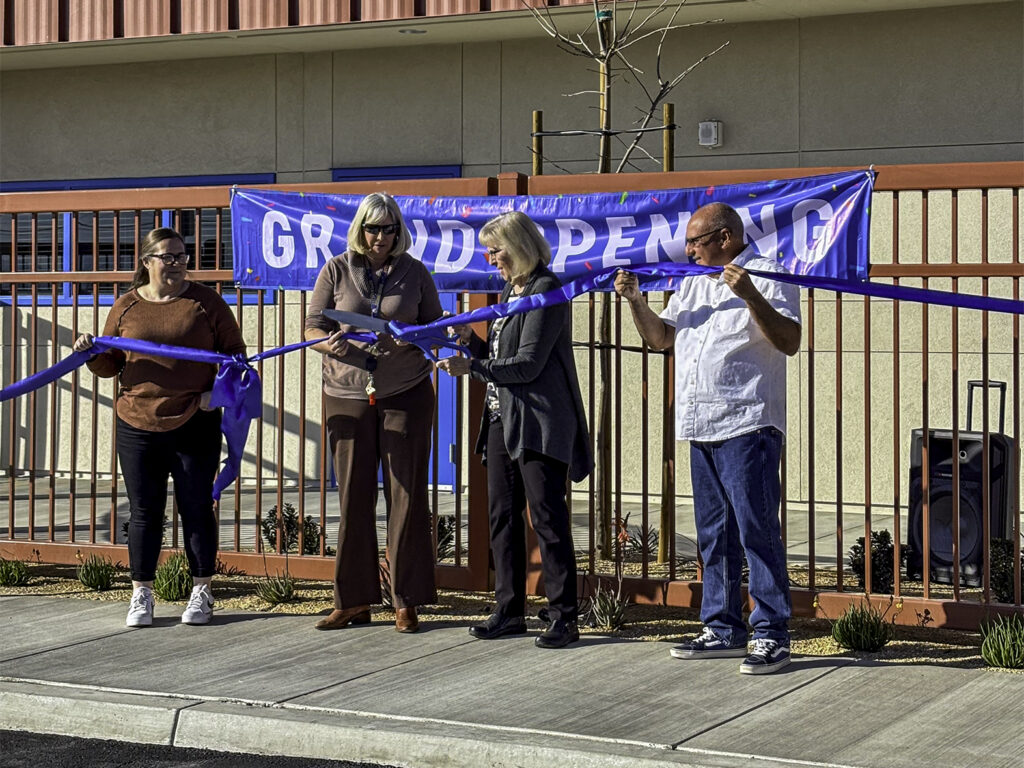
(492, 252)
(695, 240)
(379, 229)
(170, 259)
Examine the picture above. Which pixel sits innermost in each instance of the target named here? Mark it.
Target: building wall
(939, 85)
(899, 87)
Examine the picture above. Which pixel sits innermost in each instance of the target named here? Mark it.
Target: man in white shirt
(732, 333)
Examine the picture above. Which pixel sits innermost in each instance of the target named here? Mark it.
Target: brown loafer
(406, 621)
(339, 619)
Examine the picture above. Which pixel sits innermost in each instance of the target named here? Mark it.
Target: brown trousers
(396, 433)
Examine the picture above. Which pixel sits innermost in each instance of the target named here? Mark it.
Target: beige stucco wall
(937, 85)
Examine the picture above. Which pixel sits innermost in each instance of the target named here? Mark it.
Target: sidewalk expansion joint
(365, 675)
(679, 744)
(64, 646)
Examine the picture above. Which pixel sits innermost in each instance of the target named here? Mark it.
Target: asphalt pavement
(268, 684)
(22, 749)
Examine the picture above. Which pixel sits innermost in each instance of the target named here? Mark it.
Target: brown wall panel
(262, 14)
(515, 5)
(203, 16)
(90, 20)
(313, 12)
(34, 22)
(451, 7)
(382, 10)
(147, 18)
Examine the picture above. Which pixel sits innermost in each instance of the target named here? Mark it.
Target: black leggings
(190, 454)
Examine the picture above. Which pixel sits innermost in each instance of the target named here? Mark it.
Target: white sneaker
(140, 609)
(200, 606)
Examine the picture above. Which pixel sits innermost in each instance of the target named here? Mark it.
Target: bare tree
(618, 26)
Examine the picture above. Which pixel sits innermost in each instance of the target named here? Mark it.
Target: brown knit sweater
(159, 394)
(409, 297)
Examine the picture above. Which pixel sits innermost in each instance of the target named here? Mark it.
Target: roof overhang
(467, 28)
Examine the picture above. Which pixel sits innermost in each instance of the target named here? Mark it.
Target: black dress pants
(191, 455)
(539, 481)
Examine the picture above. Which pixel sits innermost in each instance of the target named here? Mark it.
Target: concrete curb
(285, 730)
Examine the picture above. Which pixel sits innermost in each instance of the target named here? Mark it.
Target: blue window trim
(397, 172)
(141, 181)
(166, 220)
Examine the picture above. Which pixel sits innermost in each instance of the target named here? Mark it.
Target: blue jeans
(736, 494)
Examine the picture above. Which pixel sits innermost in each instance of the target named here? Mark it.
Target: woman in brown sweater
(164, 423)
(379, 409)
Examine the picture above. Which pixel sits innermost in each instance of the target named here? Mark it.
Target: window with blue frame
(107, 240)
(380, 173)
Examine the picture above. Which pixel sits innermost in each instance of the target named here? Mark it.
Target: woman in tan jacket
(379, 409)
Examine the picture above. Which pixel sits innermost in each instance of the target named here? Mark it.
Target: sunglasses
(377, 229)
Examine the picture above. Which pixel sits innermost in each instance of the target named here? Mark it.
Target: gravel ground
(811, 637)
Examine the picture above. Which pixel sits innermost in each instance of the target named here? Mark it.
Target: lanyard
(376, 291)
(375, 288)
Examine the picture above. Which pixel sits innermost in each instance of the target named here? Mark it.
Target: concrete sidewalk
(270, 684)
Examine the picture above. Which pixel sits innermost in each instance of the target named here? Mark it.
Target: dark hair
(148, 248)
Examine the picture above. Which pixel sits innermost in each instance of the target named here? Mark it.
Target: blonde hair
(516, 234)
(374, 209)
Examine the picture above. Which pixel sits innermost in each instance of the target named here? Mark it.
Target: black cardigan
(535, 376)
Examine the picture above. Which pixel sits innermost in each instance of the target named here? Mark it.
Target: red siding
(313, 12)
(147, 18)
(262, 14)
(451, 7)
(381, 10)
(90, 20)
(203, 16)
(34, 22)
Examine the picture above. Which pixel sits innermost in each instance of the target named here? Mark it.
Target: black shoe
(498, 625)
(558, 635)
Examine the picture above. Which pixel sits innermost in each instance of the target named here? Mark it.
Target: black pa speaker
(941, 492)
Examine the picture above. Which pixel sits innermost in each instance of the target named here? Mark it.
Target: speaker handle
(1001, 386)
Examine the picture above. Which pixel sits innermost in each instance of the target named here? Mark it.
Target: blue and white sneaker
(709, 645)
(768, 656)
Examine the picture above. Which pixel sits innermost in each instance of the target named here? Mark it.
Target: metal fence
(876, 443)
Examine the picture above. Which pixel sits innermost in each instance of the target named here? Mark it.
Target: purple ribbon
(237, 388)
(665, 276)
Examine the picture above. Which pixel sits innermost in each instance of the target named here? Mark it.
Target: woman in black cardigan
(534, 433)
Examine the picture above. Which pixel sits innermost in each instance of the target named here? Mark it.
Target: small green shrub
(173, 580)
(13, 573)
(606, 609)
(289, 527)
(445, 536)
(96, 572)
(640, 543)
(1001, 570)
(1002, 642)
(223, 569)
(882, 574)
(863, 628)
(279, 588)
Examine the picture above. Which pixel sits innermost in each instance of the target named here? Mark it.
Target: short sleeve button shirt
(730, 380)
